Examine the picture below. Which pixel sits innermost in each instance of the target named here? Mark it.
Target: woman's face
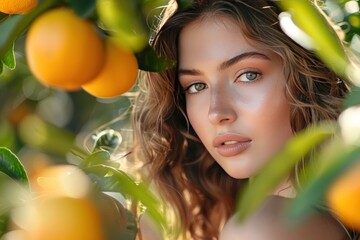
(234, 95)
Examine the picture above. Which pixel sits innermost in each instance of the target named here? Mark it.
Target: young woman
(241, 88)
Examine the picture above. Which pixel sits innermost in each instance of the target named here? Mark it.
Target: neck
(285, 189)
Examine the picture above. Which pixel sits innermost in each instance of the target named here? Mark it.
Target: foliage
(340, 153)
(103, 172)
(42, 126)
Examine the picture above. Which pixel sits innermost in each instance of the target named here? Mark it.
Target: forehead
(213, 37)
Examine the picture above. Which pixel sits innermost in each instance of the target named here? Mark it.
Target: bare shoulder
(148, 229)
(270, 223)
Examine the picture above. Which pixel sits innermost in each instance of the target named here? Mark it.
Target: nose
(221, 109)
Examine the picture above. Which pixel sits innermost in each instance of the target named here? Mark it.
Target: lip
(242, 143)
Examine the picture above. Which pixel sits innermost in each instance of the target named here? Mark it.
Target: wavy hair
(179, 165)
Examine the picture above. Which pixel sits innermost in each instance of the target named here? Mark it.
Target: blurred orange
(19, 113)
(60, 180)
(63, 50)
(67, 208)
(118, 75)
(60, 218)
(17, 6)
(343, 197)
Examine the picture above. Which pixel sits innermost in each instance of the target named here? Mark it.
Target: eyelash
(258, 75)
(187, 89)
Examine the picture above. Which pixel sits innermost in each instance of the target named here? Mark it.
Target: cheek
(197, 114)
(276, 128)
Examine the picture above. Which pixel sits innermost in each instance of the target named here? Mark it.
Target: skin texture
(270, 222)
(242, 101)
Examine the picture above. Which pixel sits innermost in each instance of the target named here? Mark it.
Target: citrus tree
(68, 66)
(66, 61)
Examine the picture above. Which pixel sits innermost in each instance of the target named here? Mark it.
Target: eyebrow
(227, 63)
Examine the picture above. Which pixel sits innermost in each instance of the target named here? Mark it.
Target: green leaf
(11, 165)
(83, 8)
(125, 22)
(12, 195)
(107, 139)
(7, 134)
(38, 133)
(279, 167)
(9, 58)
(3, 17)
(98, 157)
(353, 98)
(328, 45)
(149, 61)
(118, 181)
(182, 4)
(4, 219)
(314, 193)
(1, 67)
(16, 24)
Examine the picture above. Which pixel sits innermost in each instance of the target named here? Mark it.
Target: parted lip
(220, 139)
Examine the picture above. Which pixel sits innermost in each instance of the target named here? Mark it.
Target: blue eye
(195, 88)
(249, 76)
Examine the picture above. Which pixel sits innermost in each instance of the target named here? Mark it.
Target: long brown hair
(179, 165)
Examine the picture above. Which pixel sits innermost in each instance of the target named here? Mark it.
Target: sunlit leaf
(279, 167)
(108, 139)
(99, 157)
(9, 58)
(149, 61)
(11, 165)
(118, 181)
(152, 9)
(83, 8)
(12, 195)
(16, 24)
(314, 193)
(40, 134)
(328, 45)
(125, 22)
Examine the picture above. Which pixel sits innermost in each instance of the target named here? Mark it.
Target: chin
(237, 173)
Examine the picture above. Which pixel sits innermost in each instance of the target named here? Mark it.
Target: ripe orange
(118, 75)
(59, 218)
(59, 180)
(63, 50)
(344, 197)
(17, 6)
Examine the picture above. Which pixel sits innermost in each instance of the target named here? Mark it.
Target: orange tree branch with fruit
(73, 46)
(97, 47)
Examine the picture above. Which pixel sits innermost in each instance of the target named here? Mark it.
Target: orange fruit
(17, 6)
(118, 75)
(63, 50)
(343, 197)
(59, 180)
(61, 209)
(59, 218)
